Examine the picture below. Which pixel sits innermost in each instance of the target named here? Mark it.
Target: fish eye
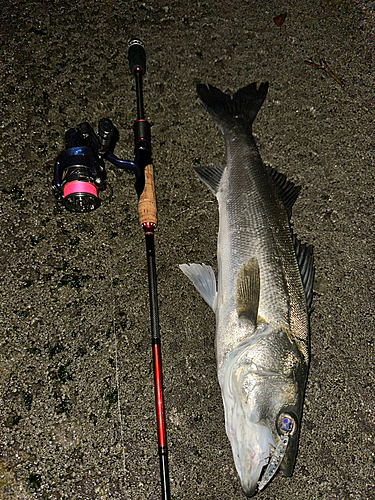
(286, 424)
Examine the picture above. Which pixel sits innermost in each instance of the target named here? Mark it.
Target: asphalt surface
(74, 296)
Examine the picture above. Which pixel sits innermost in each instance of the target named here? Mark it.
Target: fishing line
(108, 262)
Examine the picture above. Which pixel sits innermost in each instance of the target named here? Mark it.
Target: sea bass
(263, 296)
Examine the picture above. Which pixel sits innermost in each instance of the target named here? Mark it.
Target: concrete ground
(74, 296)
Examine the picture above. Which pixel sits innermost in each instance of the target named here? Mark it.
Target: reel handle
(147, 211)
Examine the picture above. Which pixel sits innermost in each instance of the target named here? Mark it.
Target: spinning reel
(79, 172)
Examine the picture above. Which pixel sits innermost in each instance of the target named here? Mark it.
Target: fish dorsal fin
(211, 176)
(305, 259)
(248, 290)
(203, 278)
(286, 190)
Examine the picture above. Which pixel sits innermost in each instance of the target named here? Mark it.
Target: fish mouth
(255, 466)
(251, 445)
(256, 457)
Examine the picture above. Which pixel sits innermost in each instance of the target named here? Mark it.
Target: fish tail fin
(223, 108)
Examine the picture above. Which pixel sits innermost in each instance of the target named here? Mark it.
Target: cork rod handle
(147, 201)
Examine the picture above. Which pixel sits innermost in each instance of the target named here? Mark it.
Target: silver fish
(263, 297)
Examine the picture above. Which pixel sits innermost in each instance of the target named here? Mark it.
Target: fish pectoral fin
(248, 290)
(203, 278)
(211, 176)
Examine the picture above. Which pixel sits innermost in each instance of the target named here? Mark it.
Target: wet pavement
(75, 334)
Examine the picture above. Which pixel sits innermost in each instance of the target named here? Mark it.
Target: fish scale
(252, 232)
(262, 298)
(250, 222)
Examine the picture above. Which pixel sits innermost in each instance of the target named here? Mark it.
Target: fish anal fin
(211, 176)
(248, 290)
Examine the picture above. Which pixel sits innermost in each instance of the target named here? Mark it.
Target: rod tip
(135, 41)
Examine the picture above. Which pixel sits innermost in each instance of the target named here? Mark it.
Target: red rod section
(159, 403)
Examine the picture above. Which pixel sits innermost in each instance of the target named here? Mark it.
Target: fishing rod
(79, 177)
(148, 220)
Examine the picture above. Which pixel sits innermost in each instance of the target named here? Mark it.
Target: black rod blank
(148, 220)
